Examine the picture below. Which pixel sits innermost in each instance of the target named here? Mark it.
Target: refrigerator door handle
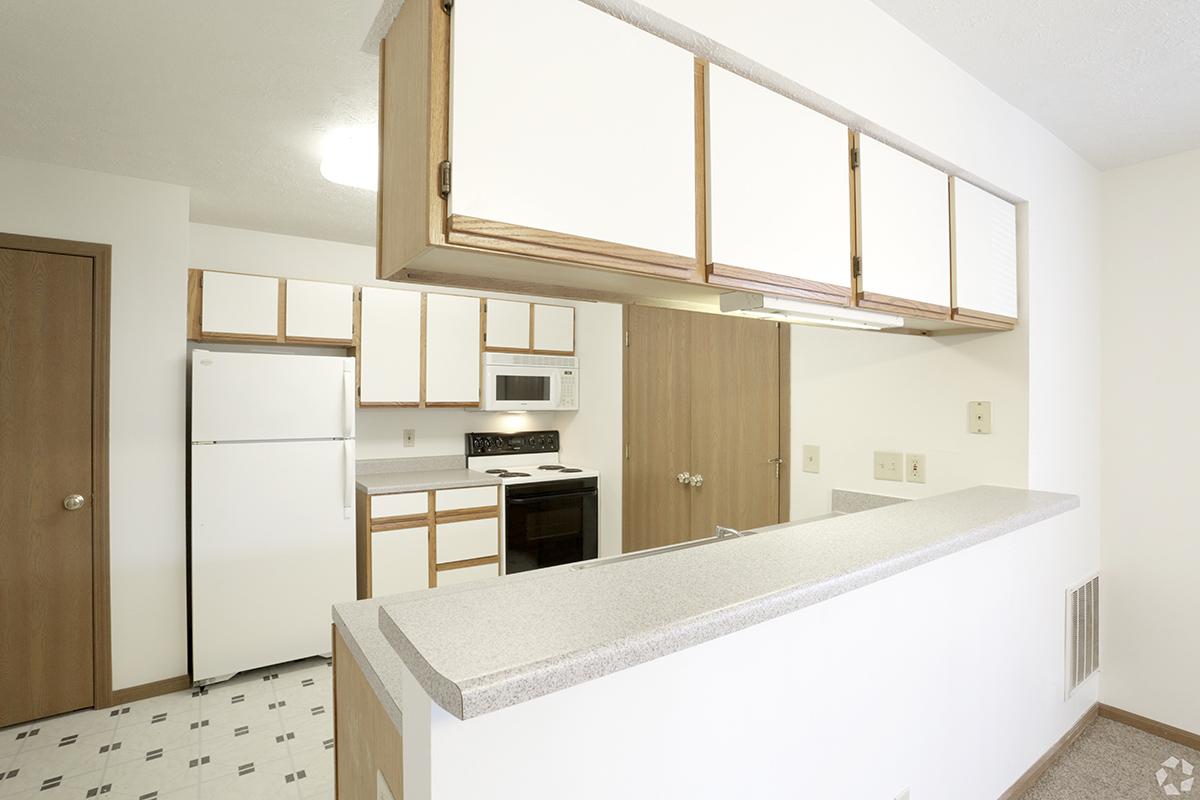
(348, 397)
(348, 488)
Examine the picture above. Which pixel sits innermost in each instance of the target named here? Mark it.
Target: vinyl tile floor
(1112, 761)
(262, 734)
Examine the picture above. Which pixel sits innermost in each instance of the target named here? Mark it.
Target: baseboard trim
(141, 692)
(1040, 766)
(1160, 729)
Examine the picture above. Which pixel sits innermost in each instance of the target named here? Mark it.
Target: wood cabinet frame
(414, 136)
(195, 312)
(532, 331)
(974, 318)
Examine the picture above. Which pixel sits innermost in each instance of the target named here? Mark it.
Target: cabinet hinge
(447, 6)
(627, 338)
(853, 158)
(444, 179)
(626, 452)
(858, 266)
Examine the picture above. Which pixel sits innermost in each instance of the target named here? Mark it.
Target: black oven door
(549, 523)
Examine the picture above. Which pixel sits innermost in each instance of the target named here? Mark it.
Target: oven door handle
(539, 498)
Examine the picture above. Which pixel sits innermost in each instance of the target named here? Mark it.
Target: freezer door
(257, 396)
(272, 548)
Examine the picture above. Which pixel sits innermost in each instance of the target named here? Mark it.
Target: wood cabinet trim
(899, 305)
(468, 562)
(855, 215)
(784, 285)
(467, 514)
(703, 203)
(983, 319)
(509, 238)
(399, 523)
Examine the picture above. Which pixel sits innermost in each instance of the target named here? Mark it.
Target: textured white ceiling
(229, 97)
(1117, 80)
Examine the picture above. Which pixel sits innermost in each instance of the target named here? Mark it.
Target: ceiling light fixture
(785, 309)
(350, 156)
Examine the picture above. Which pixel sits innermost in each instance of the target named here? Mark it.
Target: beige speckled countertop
(500, 642)
(421, 481)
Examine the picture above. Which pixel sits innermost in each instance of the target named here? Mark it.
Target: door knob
(73, 502)
(697, 480)
(683, 477)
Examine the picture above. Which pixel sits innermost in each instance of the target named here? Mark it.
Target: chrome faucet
(723, 532)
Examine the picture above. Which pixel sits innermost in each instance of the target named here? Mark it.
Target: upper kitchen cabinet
(508, 324)
(778, 192)
(984, 257)
(223, 305)
(553, 329)
(518, 327)
(319, 312)
(389, 347)
(549, 131)
(904, 233)
(452, 350)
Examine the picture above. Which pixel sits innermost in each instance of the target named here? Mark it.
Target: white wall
(854, 393)
(147, 225)
(932, 680)
(1150, 548)
(590, 436)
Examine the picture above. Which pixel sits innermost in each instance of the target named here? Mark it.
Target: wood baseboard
(1160, 729)
(141, 692)
(1040, 766)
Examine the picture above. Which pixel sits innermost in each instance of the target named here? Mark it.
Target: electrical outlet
(812, 458)
(889, 466)
(410, 437)
(915, 472)
(980, 417)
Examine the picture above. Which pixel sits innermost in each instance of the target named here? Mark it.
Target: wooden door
(46, 419)
(735, 423)
(553, 131)
(658, 369)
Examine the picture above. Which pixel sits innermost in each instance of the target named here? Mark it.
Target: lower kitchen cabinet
(467, 540)
(399, 560)
(368, 746)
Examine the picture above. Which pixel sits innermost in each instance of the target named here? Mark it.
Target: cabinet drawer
(317, 310)
(449, 577)
(399, 505)
(242, 305)
(473, 497)
(399, 561)
(474, 538)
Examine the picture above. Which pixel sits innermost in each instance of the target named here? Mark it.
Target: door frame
(101, 256)
(785, 418)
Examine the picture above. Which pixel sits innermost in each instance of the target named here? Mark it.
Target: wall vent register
(1083, 632)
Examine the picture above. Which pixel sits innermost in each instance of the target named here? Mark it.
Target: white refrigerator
(272, 507)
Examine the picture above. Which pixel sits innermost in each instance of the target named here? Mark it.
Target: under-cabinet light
(785, 309)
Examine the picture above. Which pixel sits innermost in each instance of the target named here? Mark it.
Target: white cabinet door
(567, 119)
(399, 505)
(553, 328)
(470, 497)
(450, 577)
(316, 310)
(507, 324)
(473, 538)
(779, 185)
(399, 561)
(244, 305)
(389, 349)
(905, 226)
(985, 238)
(452, 357)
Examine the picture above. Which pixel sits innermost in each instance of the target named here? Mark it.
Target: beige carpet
(1111, 761)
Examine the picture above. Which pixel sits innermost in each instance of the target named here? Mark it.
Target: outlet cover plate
(812, 458)
(889, 466)
(914, 471)
(980, 416)
(410, 437)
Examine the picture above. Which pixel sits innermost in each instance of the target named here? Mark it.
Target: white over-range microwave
(514, 382)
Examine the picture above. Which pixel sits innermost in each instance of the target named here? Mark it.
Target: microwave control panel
(568, 388)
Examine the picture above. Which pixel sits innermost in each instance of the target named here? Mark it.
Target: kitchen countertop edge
(423, 481)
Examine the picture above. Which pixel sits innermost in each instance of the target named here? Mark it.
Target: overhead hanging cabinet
(984, 257)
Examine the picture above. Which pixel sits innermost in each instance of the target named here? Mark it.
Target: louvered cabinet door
(985, 256)
(571, 129)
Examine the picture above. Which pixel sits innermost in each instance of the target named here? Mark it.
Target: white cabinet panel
(452, 357)
(399, 505)
(507, 324)
(239, 304)
(905, 226)
(985, 237)
(450, 577)
(554, 328)
(471, 497)
(390, 346)
(399, 561)
(779, 183)
(570, 120)
(317, 310)
(475, 538)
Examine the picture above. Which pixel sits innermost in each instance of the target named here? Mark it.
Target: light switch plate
(410, 437)
(980, 416)
(812, 458)
(915, 470)
(889, 466)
